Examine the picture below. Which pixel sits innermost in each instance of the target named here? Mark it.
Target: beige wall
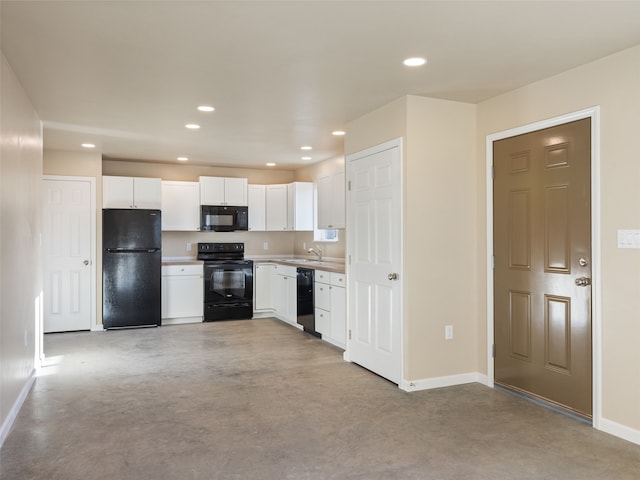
(82, 164)
(186, 172)
(439, 238)
(20, 250)
(613, 83)
(439, 228)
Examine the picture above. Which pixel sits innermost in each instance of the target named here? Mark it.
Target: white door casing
(68, 253)
(374, 253)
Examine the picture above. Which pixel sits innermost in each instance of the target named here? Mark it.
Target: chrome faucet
(317, 251)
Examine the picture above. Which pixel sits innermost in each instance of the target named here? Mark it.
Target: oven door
(228, 290)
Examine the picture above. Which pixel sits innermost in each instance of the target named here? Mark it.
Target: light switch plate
(628, 238)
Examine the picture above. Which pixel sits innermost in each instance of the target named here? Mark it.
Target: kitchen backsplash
(175, 244)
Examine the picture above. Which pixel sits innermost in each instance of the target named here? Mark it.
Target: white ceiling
(128, 76)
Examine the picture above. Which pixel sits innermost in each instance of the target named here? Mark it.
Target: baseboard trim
(618, 430)
(17, 405)
(98, 328)
(447, 381)
(181, 320)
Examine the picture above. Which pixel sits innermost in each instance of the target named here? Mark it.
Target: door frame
(349, 159)
(93, 246)
(596, 293)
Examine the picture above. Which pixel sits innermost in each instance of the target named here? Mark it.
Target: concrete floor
(261, 400)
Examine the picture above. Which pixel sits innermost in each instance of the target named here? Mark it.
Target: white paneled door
(374, 251)
(67, 254)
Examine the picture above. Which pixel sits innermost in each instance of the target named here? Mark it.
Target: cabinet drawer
(286, 270)
(322, 296)
(338, 279)
(178, 270)
(322, 276)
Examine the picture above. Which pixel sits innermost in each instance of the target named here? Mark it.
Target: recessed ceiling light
(338, 133)
(271, 164)
(182, 159)
(192, 126)
(306, 147)
(305, 158)
(206, 108)
(414, 62)
(88, 145)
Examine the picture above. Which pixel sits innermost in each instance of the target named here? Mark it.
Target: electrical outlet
(304, 246)
(265, 245)
(188, 246)
(448, 332)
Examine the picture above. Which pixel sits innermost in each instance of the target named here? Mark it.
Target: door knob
(392, 276)
(583, 281)
(86, 262)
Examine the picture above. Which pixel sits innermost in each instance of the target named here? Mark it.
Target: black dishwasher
(304, 289)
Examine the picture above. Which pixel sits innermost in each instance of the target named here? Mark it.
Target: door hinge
(349, 334)
(493, 350)
(493, 262)
(493, 172)
(349, 185)
(349, 259)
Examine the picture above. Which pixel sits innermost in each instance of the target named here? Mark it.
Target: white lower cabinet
(182, 294)
(286, 293)
(330, 306)
(264, 277)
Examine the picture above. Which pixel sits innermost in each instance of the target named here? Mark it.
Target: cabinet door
(212, 190)
(117, 192)
(235, 192)
(264, 290)
(281, 294)
(182, 293)
(331, 201)
(276, 199)
(292, 300)
(339, 201)
(338, 315)
(325, 203)
(180, 206)
(147, 193)
(257, 208)
(300, 206)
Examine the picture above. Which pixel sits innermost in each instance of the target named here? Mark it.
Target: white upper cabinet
(331, 201)
(257, 208)
(131, 192)
(300, 206)
(180, 206)
(276, 211)
(223, 191)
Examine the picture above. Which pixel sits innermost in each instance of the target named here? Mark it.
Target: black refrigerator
(131, 268)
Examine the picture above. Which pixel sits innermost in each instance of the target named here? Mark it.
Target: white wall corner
(17, 405)
(439, 382)
(622, 431)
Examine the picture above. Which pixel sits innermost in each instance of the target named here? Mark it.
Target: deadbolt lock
(583, 262)
(583, 281)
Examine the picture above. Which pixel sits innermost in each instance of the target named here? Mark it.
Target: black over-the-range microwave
(223, 218)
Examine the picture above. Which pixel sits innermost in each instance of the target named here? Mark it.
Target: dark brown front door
(542, 249)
